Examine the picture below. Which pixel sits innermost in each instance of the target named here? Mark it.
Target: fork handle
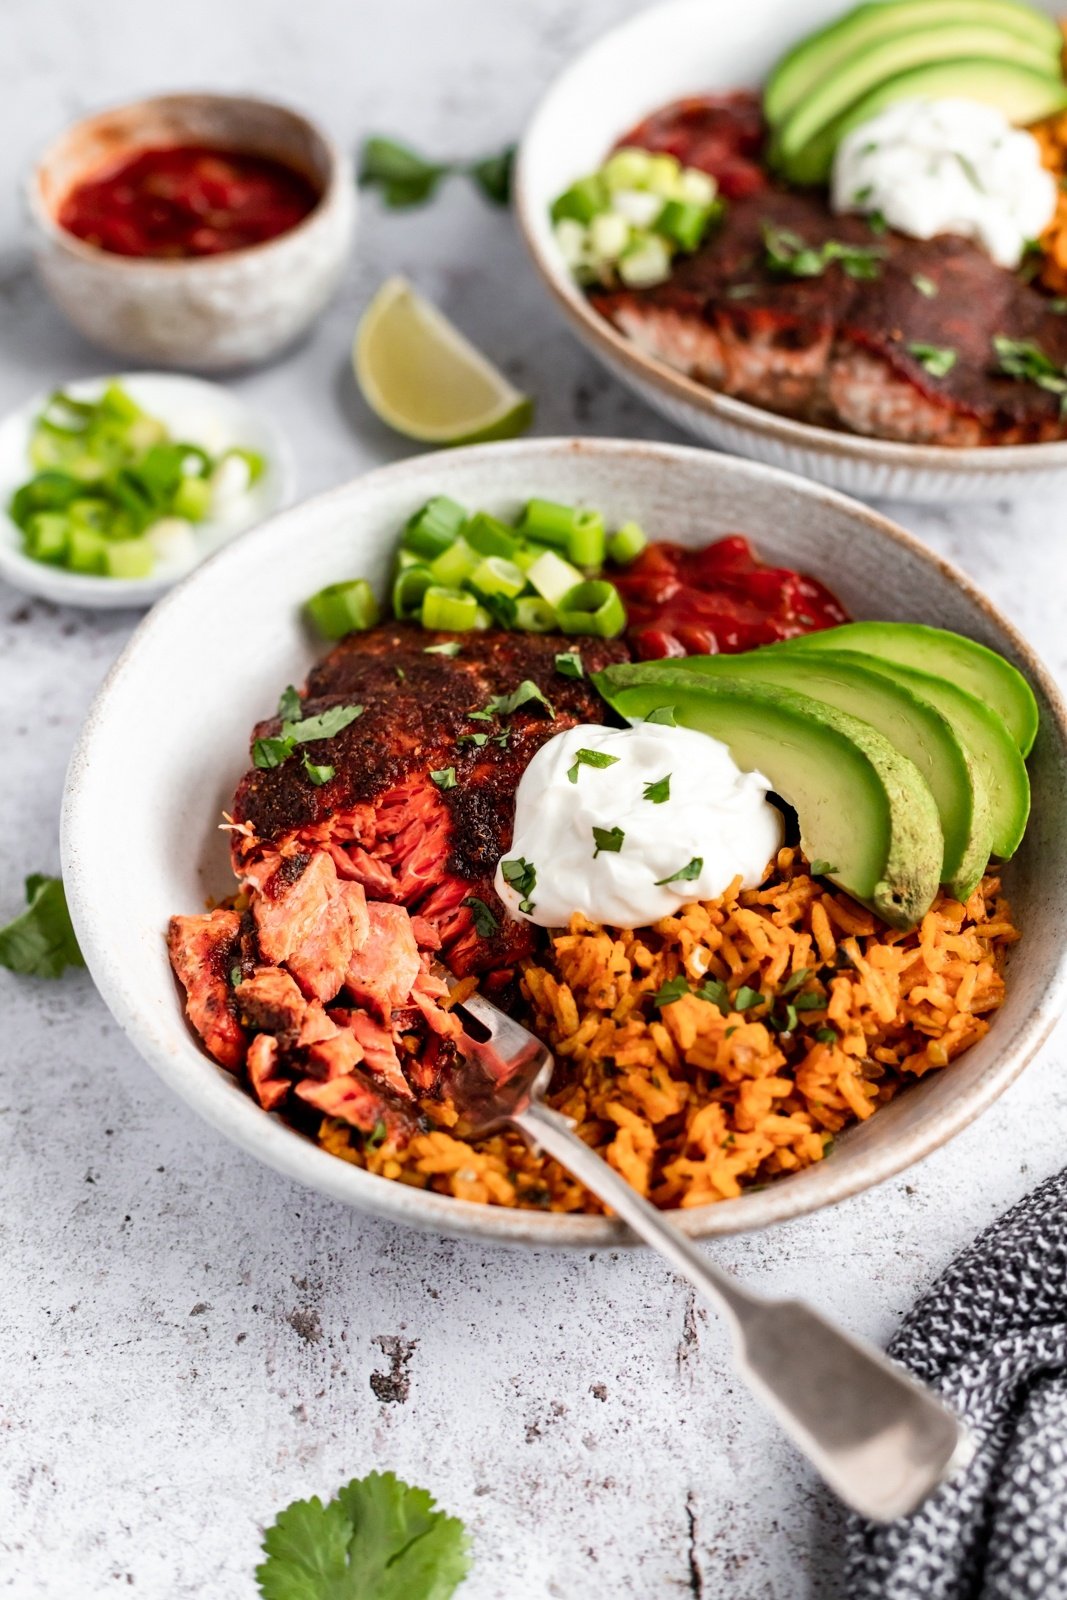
(879, 1438)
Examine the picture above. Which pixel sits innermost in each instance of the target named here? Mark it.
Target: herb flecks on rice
(703, 1095)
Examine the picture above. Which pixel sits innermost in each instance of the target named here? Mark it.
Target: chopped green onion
(586, 542)
(490, 537)
(664, 173)
(534, 615)
(450, 610)
(409, 587)
(549, 522)
(685, 222)
(128, 558)
(581, 201)
(192, 499)
(626, 543)
(627, 168)
(454, 565)
(592, 607)
(341, 608)
(433, 528)
(497, 575)
(646, 262)
(552, 577)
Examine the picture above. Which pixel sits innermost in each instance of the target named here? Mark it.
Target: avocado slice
(824, 53)
(1024, 96)
(947, 655)
(913, 726)
(821, 54)
(864, 809)
(994, 753)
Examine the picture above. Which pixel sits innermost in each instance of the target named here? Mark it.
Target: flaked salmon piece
(379, 1049)
(311, 922)
(271, 1002)
(316, 1027)
(355, 1100)
(427, 992)
(268, 1084)
(203, 949)
(336, 1056)
(382, 971)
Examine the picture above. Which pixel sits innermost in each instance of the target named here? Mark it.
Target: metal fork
(879, 1438)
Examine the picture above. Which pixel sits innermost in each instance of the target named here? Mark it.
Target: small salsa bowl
(206, 313)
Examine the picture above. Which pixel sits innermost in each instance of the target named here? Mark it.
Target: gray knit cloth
(991, 1336)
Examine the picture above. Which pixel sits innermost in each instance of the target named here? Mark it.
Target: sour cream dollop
(947, 166)
(665, 801)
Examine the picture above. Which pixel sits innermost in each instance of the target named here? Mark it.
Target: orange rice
(1051, 136)
(830, 1013)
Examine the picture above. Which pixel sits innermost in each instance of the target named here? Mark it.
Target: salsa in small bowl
(192, 230)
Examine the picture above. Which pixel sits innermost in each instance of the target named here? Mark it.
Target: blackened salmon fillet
(846, 351)
(421, 804)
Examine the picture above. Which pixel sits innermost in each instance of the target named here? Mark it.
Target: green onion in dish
(594, 606)
(113, 494)
(343, 608)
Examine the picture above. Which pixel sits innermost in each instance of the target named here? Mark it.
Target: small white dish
(236, 621)
(693, 47)
(194, 410)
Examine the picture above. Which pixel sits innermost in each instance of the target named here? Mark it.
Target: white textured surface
(187, 1341)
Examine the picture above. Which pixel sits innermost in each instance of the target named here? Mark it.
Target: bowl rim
(787, 432)
(94, 591)
(225, 1106)
(337, 173)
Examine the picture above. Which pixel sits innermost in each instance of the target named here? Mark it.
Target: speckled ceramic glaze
(211, 312)
(193, 750)
(691, 47)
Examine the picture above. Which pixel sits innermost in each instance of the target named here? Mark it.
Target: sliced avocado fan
(912, 725)
(866, 813)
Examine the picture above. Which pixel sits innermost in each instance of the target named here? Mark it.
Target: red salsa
(187, 200)
(722, 134)
(718, 600)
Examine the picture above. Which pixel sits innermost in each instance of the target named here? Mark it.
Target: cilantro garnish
(607, 840)
(1025, 360)
(826, 1035)
(796, 980)
(485, 924)
(663, 715)
(522, 876)
(444, 777)
(476, 739)
(274, 749)
(407, 179)
(590, 758)
(659, 791)
(686, 874)
(746, 998)
(821, 868)
(236, 976)
(670, 991)
(40, 941)
(376, 1136)
(569, 664)
(377, 1539)
(810, 1002)
(289, 706)
(786, 252)
(715, 992)
(318, 775)
(451, 647)
(936, 359)
(783, 1018)
(502, 705)
(740, 291)
(926, 286)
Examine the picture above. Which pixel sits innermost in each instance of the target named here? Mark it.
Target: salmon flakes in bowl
(727, 1044)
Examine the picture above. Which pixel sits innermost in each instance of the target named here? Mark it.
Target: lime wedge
(422, 377)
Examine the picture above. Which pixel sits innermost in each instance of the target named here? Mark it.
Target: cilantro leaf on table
(40, 942)
(378, 1539)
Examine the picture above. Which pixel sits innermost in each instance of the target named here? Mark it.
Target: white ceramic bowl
(209, 312)
(129, 866)
(194, 410)
(693, 47)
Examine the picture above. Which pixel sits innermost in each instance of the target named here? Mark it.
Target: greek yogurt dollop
(628, 824)
(947, 166)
